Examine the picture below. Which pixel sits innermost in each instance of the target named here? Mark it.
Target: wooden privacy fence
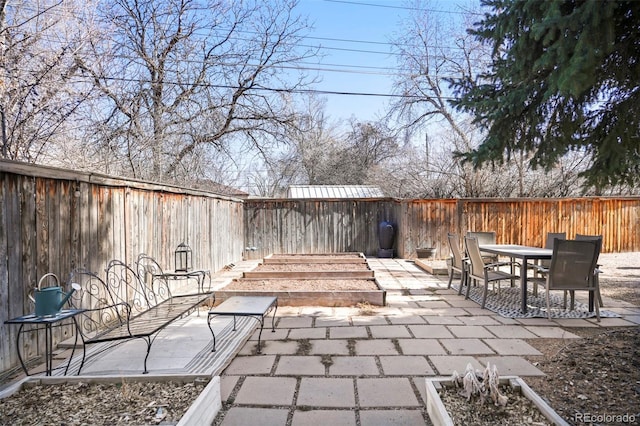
(325, 226)
(54, 221)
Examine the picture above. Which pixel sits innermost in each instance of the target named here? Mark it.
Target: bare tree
(430, 51)
(434, 52)
(310, 153)
(366, 147)
(38, 96)
(181, 76)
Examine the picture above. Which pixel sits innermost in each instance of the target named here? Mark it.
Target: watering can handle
(50, 274)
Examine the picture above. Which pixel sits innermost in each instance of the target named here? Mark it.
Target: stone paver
(552, 332)
(443, 320)
(512, 366)
(406, 365)
(359, 332)
(295, 322)
(421, 347)
(512, 332)
(242, 416)
(470, 331)
(332, 322)
(466, 347)
(633, 318)
(370, 320)
(267, 334)
(308, 333)
(247, 365)
(447, 364)
(439, 304)
(612, 322)
(326, 392)
(329, 347)
(375, 347)
(353, 366)
(406, 319)
(227, 384)
(483, 320)
(511, 347)
(260, 391)
(449, 311)
(430, 331)
(397, 392)
(324, 417)
(389, 331)
(300, 366)
(279, 347)
(391, 417)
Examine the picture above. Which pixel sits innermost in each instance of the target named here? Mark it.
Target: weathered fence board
(53, 220)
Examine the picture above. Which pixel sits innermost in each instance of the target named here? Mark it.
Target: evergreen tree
(564, 77)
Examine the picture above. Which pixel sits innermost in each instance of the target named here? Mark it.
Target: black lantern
(183, 258)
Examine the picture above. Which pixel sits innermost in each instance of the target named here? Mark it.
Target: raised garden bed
(339, 280)
(181, 400)
(352, 258)
(526, 406)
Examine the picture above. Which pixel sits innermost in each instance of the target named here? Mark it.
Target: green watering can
(49, 300)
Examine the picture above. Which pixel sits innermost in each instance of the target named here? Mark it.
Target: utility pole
(426, 152)
(3, 77)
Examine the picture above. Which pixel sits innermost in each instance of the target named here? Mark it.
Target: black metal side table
(200, 276)
(47, 322)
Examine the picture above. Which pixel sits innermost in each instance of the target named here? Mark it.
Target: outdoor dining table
(525, 254)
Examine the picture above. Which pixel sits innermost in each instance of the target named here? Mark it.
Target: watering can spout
(74, 287)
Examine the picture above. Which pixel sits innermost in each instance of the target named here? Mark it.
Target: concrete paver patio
(357, 367)
(367, 365)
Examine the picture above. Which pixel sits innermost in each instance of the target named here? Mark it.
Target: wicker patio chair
(486, 273)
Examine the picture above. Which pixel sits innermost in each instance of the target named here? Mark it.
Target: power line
(387, 6)
(277, 90)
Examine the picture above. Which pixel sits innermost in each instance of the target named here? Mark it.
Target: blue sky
(369, 24)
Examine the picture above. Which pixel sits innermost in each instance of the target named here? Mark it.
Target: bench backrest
(152, 275)
(103, 311)
(122, 294)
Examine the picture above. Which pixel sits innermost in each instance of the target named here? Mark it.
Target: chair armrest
(538, 268)
(498, 264)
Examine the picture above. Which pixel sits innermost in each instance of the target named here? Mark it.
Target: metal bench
(124, 306)
(256, 307)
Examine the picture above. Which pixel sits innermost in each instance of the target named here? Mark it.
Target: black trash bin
(386, 234)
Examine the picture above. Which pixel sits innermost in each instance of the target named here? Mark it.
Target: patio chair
(487, 273)
(459, 263)
(571, 269)
(485, 237)
(544, 263)
(596, 271)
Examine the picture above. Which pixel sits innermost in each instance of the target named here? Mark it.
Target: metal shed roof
(334, 191)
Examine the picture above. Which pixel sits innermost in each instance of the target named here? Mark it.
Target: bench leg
(273, 318)
(209, 317)
(148, 341)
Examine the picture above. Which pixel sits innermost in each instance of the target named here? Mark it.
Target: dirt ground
(298, 267)
(595, 376)
(598, 376)
(126, 403)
